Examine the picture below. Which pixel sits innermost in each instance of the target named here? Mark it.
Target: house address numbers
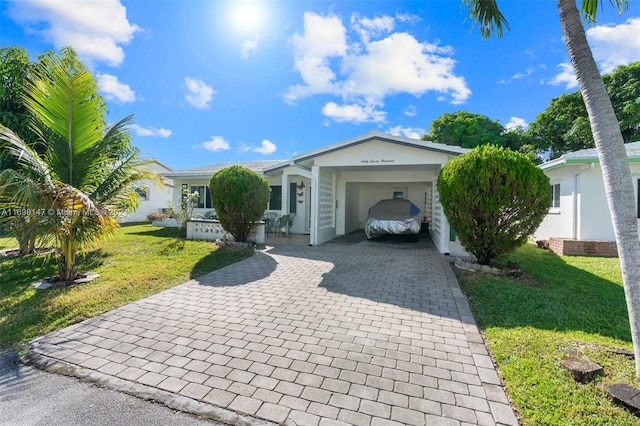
(382, 160)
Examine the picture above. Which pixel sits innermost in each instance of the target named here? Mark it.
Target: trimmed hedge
(494, 199)
(240, 197)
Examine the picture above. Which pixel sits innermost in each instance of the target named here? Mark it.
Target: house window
(204, 200)
(143, 193)
(275, 200)
(555, 196)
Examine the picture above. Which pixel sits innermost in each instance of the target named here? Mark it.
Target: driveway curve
(352, 333)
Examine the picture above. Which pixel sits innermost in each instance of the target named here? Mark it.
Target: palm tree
(74, 190)
(606, 133)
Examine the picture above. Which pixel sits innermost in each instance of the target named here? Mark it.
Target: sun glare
(247, 16)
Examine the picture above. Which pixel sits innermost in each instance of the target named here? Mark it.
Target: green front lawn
(139, 261)
(563, 304)
(7, 242)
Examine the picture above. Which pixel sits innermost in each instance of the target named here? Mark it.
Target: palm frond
(487, 15)
(67, 112)
(118, 188)
(105, 154)
(26, 156)
(589, 8)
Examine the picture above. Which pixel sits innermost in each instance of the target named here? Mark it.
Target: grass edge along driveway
(140, 260)
(563, 304)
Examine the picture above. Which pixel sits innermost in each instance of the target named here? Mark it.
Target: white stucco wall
(157, 199)
(380, 153)
(593, 220)
(559, 222)
(584, 212)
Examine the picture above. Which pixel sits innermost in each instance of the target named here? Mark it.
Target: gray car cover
(393, 217)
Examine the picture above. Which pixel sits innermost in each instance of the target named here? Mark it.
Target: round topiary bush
(240, 197)
(494, 199)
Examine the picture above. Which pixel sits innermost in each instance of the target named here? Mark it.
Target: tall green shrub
(494, 199)
(240, 197)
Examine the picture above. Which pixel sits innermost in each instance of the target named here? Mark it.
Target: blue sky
(218, 81)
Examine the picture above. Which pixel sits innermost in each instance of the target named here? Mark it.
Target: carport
(336, 185)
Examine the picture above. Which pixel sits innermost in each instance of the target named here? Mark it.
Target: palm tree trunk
(25, 234)
(613, 161)
(67, 262)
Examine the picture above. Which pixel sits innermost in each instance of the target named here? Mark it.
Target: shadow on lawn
(232, 274)
(16, 276)
(162, 232)
(18, 273)
(568, 298)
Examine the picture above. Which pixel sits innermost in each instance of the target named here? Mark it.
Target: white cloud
(567, 77)
(408, 17)
(401, 64)
(368, 28)
(516, 122)
(96, 30)
(362, 74)
(266, 147)
(114, 90)
(529, 71)
(407, 132)
(410, 111)
(323, 39)
(199, 94)
(353, 113)
(612, 46)
(150, 131)
(520, 75)
(216, 143)
(248, 46)
(615, 45)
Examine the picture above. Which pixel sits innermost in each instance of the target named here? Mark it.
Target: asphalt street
(29, 396)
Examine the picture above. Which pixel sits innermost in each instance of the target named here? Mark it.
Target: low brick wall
(568, 247)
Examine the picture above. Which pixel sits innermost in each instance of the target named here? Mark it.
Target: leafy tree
(494, 198)
(469, 130)
(623, 86)
(564, 126)
(607, 136)
(15, 67)
(87, 174)
(464, 129)
(240, 197)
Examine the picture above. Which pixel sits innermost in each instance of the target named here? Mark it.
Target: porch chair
(283, 225)
(270, 219)
(291, 216)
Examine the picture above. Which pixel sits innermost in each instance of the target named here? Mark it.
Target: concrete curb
(173, 401)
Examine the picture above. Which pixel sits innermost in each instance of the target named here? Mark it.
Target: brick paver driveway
(367, 333)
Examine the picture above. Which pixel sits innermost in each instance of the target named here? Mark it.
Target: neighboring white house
(331, 189)
(579, 209)
(153, 197)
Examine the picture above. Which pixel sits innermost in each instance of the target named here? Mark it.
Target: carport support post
(285, 201)
(315, 194)
(285, 194)
(443, 237)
